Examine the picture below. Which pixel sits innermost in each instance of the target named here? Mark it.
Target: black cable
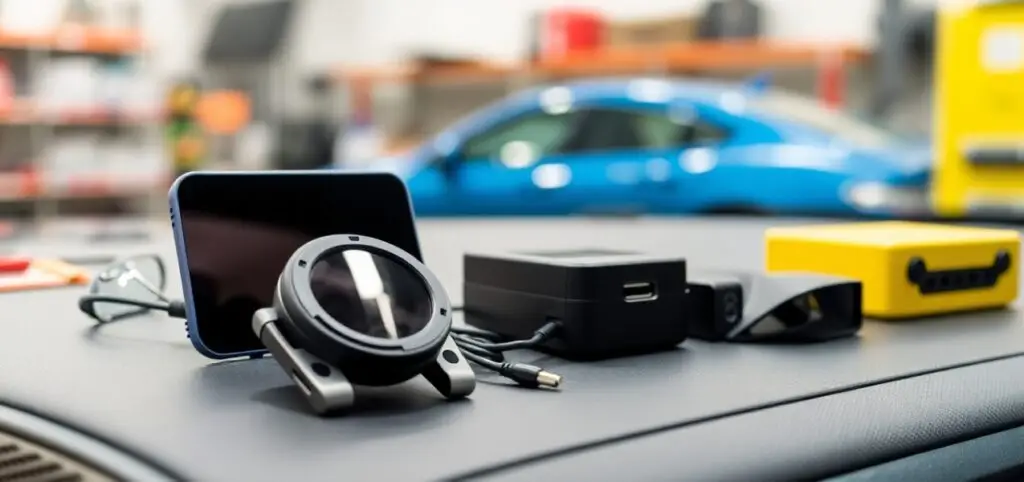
(174, 308)
(470, 348)
(478, 348)
(540, 336)
(153, 305)
(522, 373)
(465, 330)
(482, 361)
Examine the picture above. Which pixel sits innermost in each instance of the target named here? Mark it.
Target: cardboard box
(631, 33)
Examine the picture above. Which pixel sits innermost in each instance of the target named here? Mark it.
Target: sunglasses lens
(140, 278)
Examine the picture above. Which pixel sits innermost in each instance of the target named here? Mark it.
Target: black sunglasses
(130, 287)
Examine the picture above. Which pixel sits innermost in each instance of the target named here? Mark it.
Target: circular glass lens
(371, 294)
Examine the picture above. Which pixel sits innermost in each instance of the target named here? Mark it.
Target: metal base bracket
(326, 387)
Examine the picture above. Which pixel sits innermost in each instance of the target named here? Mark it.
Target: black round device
(364, 304)
(353, 310)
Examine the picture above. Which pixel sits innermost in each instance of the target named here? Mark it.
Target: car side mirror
(449, 165)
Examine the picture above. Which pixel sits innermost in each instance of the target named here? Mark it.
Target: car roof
(634, 88)
(649, 91)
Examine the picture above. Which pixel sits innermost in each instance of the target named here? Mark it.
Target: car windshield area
(809, 112)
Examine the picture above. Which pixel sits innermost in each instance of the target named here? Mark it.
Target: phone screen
(239, 229)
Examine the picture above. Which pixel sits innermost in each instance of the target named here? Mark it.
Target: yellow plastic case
(979, 103)
(907, 269)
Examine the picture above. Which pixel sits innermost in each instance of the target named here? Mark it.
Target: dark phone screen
(240, 229)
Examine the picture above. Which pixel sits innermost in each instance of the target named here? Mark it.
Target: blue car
(659, 146)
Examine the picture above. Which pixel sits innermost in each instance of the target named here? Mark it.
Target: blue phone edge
(191, 325)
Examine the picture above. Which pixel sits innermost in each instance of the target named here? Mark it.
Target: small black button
(450, 356)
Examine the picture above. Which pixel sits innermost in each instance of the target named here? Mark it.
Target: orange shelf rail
(682, 57)
(30, 186)
(75, 39)
(827, 61)
(25, 111)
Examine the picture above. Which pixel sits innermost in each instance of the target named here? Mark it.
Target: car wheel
(611, 211)
(738, 210)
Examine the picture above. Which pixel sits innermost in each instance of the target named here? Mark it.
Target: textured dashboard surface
(824, 436)
(994, 457)
(36, 449)
(140, 383)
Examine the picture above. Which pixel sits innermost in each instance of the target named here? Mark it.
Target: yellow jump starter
(907, 269)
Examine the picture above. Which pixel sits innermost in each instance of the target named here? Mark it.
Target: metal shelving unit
(435, 96)
(33, 183)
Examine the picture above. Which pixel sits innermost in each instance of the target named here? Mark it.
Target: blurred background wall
(382, 31)
(328, 34)
(310, 78)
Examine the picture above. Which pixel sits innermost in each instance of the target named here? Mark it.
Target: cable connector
(176, 308)
(548, 331)
(530, 376)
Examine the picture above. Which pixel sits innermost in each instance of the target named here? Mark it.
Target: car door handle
(668, 183)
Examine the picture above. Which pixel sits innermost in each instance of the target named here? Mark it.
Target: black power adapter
(605, 303)
(715, 303)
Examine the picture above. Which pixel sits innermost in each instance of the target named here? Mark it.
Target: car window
(803, 110)
(532, 135)
(707, 133)
(603, 130)
(608, 129)
(661, 131)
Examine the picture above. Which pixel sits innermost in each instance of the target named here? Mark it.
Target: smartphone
(234, 232)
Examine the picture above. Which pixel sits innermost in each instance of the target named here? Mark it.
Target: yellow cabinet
(979, 108)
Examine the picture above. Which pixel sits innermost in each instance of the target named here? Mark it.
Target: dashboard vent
(24, 461)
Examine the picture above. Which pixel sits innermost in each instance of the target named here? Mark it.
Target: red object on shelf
(17, 184)
(361, 102)
(7, 94)
(565, 31)
(31, 184)
(832, 80)
(14, 265)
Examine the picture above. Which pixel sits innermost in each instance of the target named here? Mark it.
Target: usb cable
(487, 350)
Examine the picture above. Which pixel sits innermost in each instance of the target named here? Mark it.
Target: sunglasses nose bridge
(110, 274)
(129, 280)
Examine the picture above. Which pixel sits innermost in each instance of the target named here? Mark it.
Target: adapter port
(731, 309)
(637, 292)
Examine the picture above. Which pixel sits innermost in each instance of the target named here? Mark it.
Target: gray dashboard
(704, 411)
